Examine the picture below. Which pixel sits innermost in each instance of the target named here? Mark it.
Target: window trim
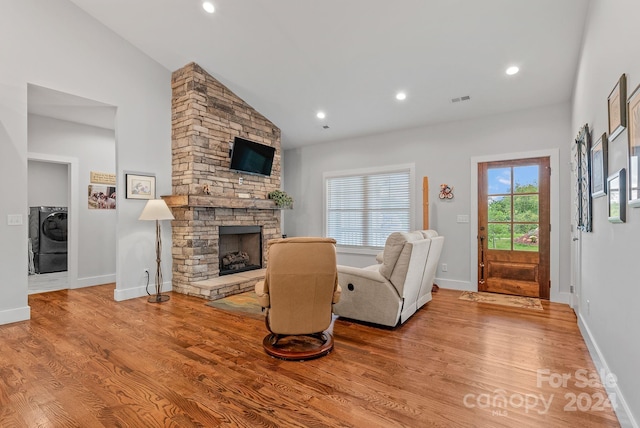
(410, 167)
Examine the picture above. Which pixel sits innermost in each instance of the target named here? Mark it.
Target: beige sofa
(389, 292)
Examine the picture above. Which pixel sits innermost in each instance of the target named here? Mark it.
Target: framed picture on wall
(101, 197)
(141, 186)
(599, 164)
(617, 106)
(633, 134)
(616, 183)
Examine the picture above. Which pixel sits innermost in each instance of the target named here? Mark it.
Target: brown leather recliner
(298, 292)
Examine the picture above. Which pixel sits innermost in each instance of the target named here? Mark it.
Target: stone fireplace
(208, 198)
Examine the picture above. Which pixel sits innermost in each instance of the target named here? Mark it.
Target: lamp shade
(156, 209)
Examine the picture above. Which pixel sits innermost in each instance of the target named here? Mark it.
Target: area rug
(243, 303)
(502, 299)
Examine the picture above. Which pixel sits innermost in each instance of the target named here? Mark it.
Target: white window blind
(363, 209)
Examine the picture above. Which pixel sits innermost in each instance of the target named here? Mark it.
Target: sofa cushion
(393, 248)
(429, 233)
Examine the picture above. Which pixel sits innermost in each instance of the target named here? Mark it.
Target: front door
(514, 227)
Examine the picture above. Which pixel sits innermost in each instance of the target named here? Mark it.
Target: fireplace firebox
(240, 249)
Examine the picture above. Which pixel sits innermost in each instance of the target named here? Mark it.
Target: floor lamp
(157, 209)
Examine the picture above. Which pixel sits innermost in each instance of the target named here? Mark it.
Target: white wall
(48, 184)
(610, 253)
(443, 153)
(56, 45)
(95, 149)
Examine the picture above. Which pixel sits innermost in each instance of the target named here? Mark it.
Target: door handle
(575, 239)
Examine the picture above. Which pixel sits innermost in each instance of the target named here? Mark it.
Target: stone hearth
(206, 116)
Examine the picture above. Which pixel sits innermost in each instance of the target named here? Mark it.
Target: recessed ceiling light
(512, 70)
(321, 115)
(208, 6)
(401, 96)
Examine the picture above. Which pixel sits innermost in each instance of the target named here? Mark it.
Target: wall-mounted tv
(251, 157)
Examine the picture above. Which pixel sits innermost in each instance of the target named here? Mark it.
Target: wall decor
(633, 134)
(617, 107)
(580, 164)
(616, 183)
(446, 191)
(599, 162)
(101, 197)
(102, 178)
(141, 186)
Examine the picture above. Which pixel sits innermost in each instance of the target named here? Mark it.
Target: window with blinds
(363, 209)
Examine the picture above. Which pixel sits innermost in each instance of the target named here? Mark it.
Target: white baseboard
(95, 280)
(453, 284)
(15, 315)
(120, 294)
(625, 417)
(563, 297)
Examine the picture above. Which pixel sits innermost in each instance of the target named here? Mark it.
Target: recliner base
(298, 348)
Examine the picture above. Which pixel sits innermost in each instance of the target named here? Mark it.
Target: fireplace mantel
(207, 201)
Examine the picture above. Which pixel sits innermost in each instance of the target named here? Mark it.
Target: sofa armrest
(364, 273)
(263, 297)
(368, 297)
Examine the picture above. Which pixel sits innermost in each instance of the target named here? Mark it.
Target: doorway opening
(70, 136)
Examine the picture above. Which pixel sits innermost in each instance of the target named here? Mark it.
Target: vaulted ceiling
(290, 59)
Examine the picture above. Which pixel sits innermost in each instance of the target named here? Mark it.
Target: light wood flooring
(84, 360)
(41, 283)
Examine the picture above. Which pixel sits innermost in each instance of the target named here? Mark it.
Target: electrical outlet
(240, 180)
(444, 267)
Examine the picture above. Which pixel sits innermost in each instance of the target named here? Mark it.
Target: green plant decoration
(281, 199)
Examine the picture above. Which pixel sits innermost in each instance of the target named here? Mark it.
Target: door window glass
(513, 208)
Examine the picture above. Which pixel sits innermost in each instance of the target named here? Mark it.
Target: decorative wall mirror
(581, 176)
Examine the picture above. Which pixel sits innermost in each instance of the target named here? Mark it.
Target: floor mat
(503, 299)
(246, 303)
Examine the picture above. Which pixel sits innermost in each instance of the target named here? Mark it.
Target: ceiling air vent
(459, 99)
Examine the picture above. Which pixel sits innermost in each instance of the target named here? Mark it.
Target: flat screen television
(251, 157)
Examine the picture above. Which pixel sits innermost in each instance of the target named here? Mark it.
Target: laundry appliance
(48, 237)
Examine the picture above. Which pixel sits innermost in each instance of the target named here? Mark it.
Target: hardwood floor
(84, 360)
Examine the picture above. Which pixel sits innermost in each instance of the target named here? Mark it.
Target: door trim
(554, 199)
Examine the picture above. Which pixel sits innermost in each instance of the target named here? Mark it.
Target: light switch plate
(463, 218)
(14, 219)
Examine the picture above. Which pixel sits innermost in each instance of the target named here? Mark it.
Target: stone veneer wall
(206, 116)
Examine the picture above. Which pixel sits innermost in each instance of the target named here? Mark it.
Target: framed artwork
(599, 164)
(141, 186)
(617, 107)
(633, 123)
(101, 197)
(616, 183)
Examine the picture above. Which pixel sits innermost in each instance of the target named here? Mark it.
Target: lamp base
(158, 298)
